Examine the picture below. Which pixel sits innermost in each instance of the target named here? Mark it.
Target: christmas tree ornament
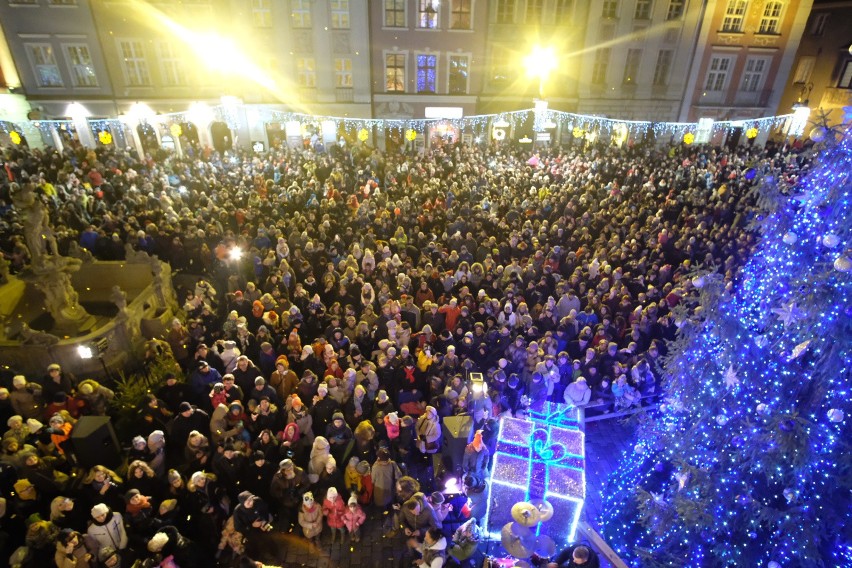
(831, 240)
(682, 477)
(773, 564)
(817, 133)
(762, 409)
(731, 378)
(721, 419)
(835, 415)
(789, 495)
(790, 238)
(761, 341)
(698, 282)
(659, 499)
(799, 350)
(843, 264)
(789, 313)
(639, 449)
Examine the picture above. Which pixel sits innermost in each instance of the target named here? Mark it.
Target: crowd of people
(342, 301)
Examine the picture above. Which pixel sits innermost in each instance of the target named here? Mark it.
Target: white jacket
(111, 533)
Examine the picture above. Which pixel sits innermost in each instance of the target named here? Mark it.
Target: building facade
(821, 75)
(745, 50)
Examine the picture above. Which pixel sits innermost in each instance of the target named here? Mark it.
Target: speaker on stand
(93, 442)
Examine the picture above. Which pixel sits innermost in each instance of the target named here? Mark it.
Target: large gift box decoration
(538, 459)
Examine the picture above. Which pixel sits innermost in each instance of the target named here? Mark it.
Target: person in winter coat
(338, 434)
(578, 393)
(310, 518)
(251, 514)
(475, 460)
(283, 379)
(358, 407)
(287, 487)
(353, 518)
(428, 430)
(107, 529)
(365, 495)
(220, 429)
(320, 453)
(384, 474)
(96, 396)
(433, 549)
(71, 551)
(333, 510)
(26, 398)
(418, 516)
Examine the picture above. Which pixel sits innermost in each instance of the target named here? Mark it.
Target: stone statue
(37, 232)
(119, 298)
(134, 256)
(31, 336)
(76, 251)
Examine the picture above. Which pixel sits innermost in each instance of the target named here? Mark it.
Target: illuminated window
(675, 10)
(171, 64)
(80, 64)
(300, 13)
(306, 70)
(534, 11)
(610, 9)
(460, 15)
(643, 10)
(427, 65)
(395, 72)
(631, 66)
(343, 72)
(846, 77)
(459, 72)
(818, 23)
(564, 11)
(394, 13)
(717, 74)
(754, 74)
(661, 71)
(61, 2)
(734, 16)
(427, 14)
(601, 66)
(804, 70)
(133, 60)
(261, 13)
(44, 65)
(340, 14)
(770, 23)
(505, 11)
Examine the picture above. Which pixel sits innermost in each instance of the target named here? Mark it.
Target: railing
(344, 95)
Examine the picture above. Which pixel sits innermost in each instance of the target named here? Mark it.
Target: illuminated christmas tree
(749, 461)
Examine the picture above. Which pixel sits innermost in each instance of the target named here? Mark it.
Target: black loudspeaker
(94, 443)
(457, 432)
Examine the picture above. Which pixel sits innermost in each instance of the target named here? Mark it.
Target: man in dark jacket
(189, 418)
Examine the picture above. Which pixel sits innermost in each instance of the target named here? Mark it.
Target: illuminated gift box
(541, 457)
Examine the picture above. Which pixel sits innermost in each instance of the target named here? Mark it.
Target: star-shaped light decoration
(789, 313)
(659, 499)
(682, 478)
(731, 379)
(799, 350)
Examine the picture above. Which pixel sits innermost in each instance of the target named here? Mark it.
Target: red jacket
(333, 512)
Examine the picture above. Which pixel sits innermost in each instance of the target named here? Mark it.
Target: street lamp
(539, 63)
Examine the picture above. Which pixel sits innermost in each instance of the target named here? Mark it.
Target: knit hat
(168, 505)
(295, 401)
(139, 441)
(157, 542)
(34, 425)
(184, 407)
(363, 468)
(99, 509)
(382, 396)
(258, 456)
(244, 496)
(331, 494)
(131, 494)
(22, 485)
(352, 500)
(437, 498)
(322, 388)
(286, 464)
(19, 380)
(173, 476)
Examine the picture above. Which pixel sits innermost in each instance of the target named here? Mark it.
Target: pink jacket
(334, 512)
(354, 519)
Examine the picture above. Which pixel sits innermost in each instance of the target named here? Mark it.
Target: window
(675, 10)
(426, 72)
(306, 70)
(394, 13)
(135, 66)
(44, 65)
(261, 13)
(534, 11)
(804, 70)
(600, 66)
(458, 74)
(631, 66)
(300, 13)
(427, 14)
(343, 72)
(23, 2)
(734, 15)
(818, 23)
(664, 64)
(171, 64)
(340, 14)
(610, 9)
(643, 10)
(564, 12)
(754, 74)
(846, 77)
(395, 72)
(80, 64)
(61, 2)
(717, 74)
(505, 11)
(501, 58)
(460, 15)
(770, 23)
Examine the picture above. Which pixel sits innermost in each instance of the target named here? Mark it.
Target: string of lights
(748, 463)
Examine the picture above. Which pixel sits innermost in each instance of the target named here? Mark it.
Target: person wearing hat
(202, 380)
(107, 529)
(96, 396)
(353, 518)
(283, 379)
(57, 381)
(439, 505)
(187, 420)
(210, 356)
(475, 461)
(333, 509)
(71, 551)
(310, 518)
(324, 408)
(251, 514)
(26, 398)
(173, 392)
(263, 390)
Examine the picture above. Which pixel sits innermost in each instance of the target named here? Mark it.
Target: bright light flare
(85, 352)
(236, 253)
(541, 62)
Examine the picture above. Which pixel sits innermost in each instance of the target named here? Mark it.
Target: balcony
(836, 97)
(344, 95)
(758, 98)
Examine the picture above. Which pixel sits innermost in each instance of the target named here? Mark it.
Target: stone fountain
(44, 307)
